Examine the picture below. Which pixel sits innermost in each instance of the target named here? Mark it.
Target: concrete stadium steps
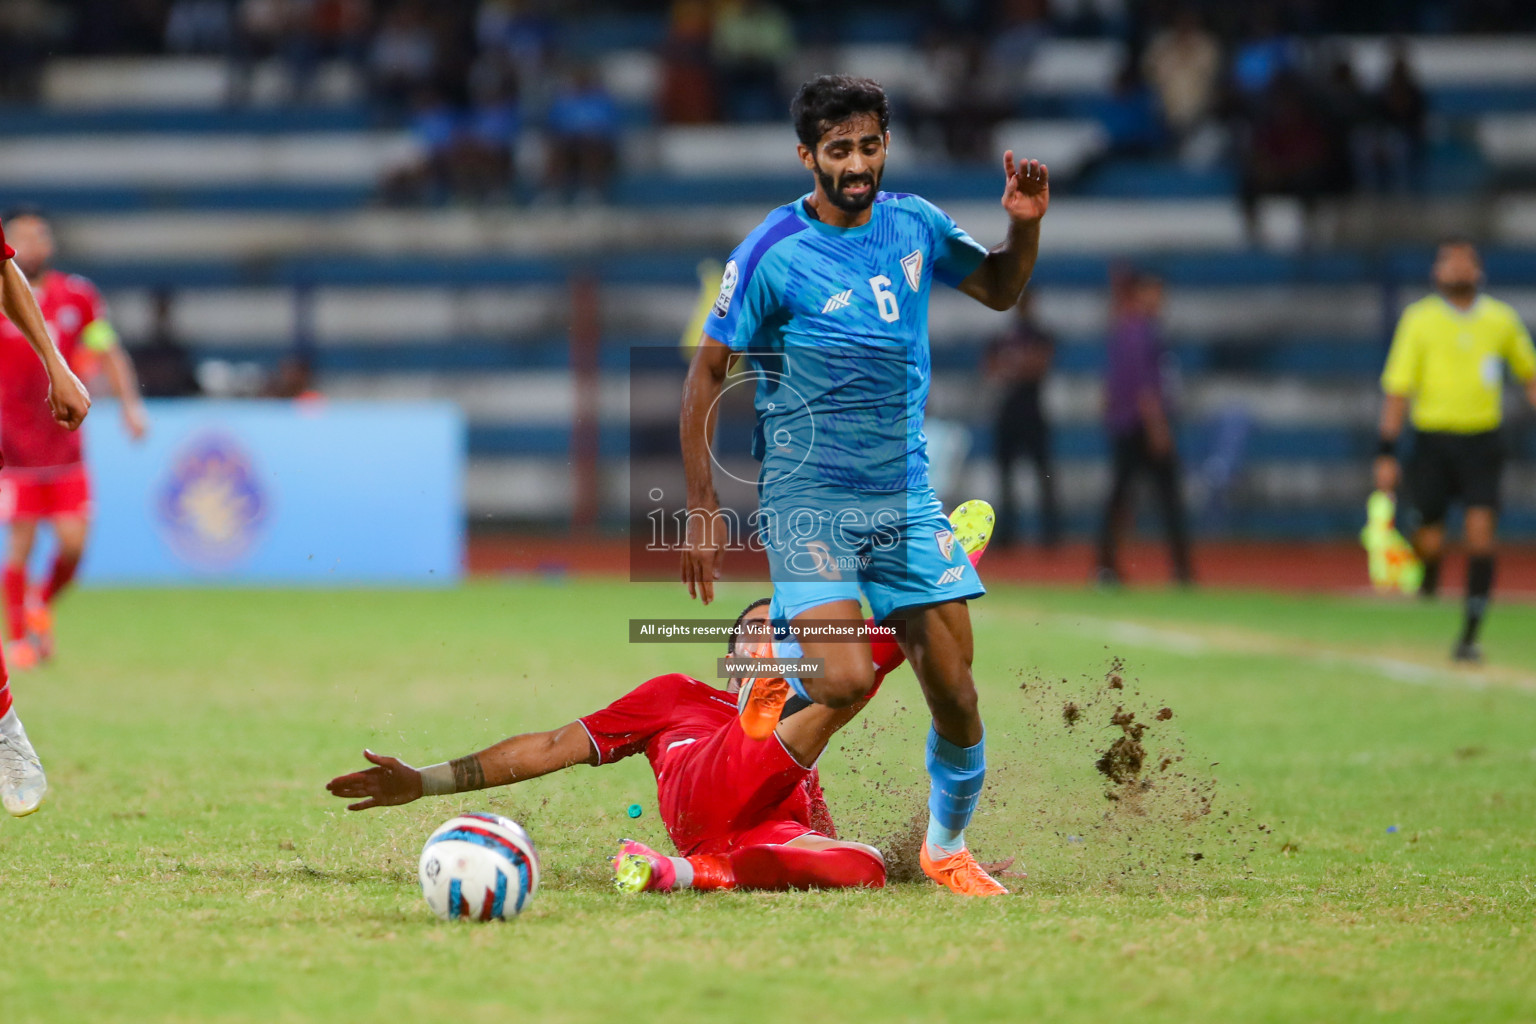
(177, 160)
(632, 67)
(547, 397)
(1286, 498)
(1317, 359)
(1216, 269)
(377, 315)
(1085, 226)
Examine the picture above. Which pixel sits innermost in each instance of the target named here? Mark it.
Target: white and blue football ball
(479, 867)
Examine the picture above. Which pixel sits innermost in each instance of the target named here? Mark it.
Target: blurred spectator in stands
(519, 37)
(200, 26)
(330, 30)
(1347, 110)
(28, 29)
(1263, 56)
(1129, 116)
(427, 172)
(403, 58)
(1138, 415)
(1394, 137)
(106, 26)
(950, 104)
(261, 29)
(163, 363)
(688, 90)
(1093, 17)
(484, 157)
(1019, 360)
(582, 136)
(1022, 26)
(294, 378)
(752, 43)
(1288, 151)
(1182, 62)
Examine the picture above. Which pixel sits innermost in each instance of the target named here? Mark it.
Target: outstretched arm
(1005, 271)
(125, 384)
(696, 428)
(67, 397)
(392, 782)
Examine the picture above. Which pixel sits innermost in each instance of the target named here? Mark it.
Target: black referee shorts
(1448, 467)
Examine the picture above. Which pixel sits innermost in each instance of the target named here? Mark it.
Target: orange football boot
(22, 655)
(761, 699)
(40, 627)
(960, 872)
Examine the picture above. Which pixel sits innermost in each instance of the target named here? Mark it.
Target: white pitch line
(1176, 641)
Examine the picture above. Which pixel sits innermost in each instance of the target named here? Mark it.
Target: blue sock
(956, 775)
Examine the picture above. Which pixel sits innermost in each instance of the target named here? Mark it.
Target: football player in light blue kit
(828, 298)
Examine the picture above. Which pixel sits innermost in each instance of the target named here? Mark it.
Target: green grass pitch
(1369, 851)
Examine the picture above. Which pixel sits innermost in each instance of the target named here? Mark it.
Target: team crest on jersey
(946, 542)
(212, 506)
(727, 289)
(912, 266)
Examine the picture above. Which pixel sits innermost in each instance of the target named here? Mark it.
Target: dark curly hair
(827, 100)
(736, 630)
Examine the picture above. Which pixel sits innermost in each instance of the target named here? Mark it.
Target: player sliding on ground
(828, 298)
(22, 782)
(743, 813)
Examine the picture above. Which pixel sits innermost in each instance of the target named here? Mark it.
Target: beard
(842, 200)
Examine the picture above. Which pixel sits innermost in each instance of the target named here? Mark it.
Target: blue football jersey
(835, 321)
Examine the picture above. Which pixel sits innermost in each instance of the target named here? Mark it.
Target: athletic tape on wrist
(437, 780)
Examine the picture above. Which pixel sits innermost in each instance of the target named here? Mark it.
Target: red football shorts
(727, 791)
(44, 494)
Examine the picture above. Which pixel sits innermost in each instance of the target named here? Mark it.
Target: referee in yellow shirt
(1447, 365)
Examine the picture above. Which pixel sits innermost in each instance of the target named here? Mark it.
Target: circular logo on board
(212, 505)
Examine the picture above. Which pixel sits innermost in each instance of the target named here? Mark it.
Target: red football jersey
(6, 252)
(658, 715)
(29, 437)
(678, 713)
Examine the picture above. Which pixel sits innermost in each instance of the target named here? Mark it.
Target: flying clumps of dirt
(1089, 784)
(1123, 761)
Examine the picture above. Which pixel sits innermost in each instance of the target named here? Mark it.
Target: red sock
(16, 601)
(63, 572)
(788, 867)
(821, 815)
(5, 693)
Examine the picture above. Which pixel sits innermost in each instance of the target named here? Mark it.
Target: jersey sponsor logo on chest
(839, 301)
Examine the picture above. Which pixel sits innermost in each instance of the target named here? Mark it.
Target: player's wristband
(1386, 446)
(437, 780)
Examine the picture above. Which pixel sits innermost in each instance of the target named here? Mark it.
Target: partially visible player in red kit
(743, 813)
(22, 782)
(44, 479)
